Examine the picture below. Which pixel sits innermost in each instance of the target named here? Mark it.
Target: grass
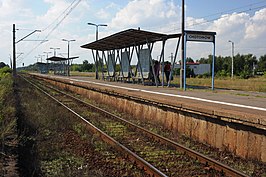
(7, 105)
(87, 74)
(257, 84)
(8, 123)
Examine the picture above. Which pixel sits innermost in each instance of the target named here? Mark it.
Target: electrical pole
(14, 47)
(14, 51)
(182, 46)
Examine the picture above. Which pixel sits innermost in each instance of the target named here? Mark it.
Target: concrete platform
(229, 120)
(249, 107)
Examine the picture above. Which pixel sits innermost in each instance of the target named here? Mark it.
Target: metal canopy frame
(199, 36)
(61, 65)
(129, 40)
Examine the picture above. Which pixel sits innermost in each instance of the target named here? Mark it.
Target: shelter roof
(54, 58)
(127, 38)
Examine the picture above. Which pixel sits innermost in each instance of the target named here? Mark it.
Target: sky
(241, 21)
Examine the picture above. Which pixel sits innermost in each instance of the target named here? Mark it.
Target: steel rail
(228, 171)
(147, 167)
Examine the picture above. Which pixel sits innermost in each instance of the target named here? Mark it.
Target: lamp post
(96, 62)
(68, 41)
(54, 50)
(47, 53)
(97, 26)
(41, 57)
(37, 57)
(232, 67)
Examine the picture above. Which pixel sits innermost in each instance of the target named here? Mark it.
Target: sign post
(199, 36)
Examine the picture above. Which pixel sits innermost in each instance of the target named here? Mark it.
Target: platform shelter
(60, 65)
(42, 67)
(118, 49)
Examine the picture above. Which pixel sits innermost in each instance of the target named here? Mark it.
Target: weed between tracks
(252, 168)
(54, 143)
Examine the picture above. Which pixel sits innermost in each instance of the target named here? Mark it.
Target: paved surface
(247, 106)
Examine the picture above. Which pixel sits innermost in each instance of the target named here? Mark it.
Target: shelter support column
(163, 45)
(173, 63)
(184, 61)
(213, 64)
(95, 61)
(139, 67)
(151, 63)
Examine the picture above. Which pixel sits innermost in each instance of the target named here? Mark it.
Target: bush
(7, 107)
(5, 71)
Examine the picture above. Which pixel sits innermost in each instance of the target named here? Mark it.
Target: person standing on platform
(157, 70)
(167, 70)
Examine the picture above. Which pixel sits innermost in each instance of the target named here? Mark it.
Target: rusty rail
(149, 169)
(228, 171)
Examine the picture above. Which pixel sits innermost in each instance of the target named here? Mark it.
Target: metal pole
(14, 51)
(68, 72)
(232, 67)
(96, 61)
(182, 46)
(232, 60)
(213, 63)
(97, 54)
(185, 48)
(97, 32)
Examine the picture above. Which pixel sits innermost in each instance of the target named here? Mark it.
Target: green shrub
(7, 108)
(5, 71)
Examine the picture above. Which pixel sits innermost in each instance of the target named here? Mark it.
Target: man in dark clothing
(167, 70)
(157, 70)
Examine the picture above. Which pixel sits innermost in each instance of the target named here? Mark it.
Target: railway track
(157, 155)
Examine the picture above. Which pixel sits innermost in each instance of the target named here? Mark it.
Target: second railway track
(159, 156)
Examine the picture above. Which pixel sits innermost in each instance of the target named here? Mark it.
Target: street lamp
(232, 67)
(37, 57)
(97, 26)
(96, 63)
(68, 41)
(41, 57)
(54, 49)
(47, 53)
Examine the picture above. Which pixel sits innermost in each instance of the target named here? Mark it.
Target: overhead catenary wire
(221, 14)
(61, 18)
(75, 3)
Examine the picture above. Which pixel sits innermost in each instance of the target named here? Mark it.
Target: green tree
(86, 66)
(190, 60)
(262, 64)
(2, 64)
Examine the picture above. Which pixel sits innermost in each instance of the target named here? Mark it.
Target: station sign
(200, 37)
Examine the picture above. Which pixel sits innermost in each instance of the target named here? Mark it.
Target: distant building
(198, 68)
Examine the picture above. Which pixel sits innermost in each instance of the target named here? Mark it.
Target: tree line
(245, 66)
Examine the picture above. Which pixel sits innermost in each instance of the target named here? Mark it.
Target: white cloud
(145, 13)
(247, 31)
(256, 27)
